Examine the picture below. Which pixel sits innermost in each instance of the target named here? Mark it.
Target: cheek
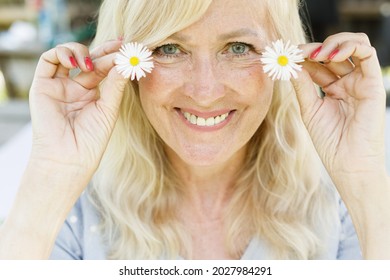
(246, 72)
(155, 89)
(251, 83)
(161, 80)
(256, 91)
(157, 95)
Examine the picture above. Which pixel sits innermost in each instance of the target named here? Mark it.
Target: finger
(81, 54)
(333, 43)
(342, 46)
(111, 92)
(56, 60)
(102, 67)
(103, 56)
(341, 68)
(319, 73)
(311, 50)
(363, 56)
(307, 95)
(106, 48)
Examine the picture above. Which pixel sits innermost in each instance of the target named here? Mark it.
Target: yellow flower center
(282, 60)
(134, 61)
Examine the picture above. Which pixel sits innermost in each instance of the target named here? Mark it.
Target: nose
(203, 85)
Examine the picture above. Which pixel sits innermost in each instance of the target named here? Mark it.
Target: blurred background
(29, 27)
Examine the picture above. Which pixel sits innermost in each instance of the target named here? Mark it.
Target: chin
(201, 156)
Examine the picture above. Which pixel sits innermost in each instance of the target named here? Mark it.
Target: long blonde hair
(281, 194)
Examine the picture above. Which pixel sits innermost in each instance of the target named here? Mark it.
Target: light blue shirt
(80, 239)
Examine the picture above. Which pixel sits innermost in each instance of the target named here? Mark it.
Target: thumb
(308, 95)
(111, 91)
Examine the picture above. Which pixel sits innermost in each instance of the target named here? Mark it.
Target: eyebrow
(243, 32)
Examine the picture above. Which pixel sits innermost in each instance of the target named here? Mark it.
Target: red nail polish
(315, 53)
(333, 54)
(73, 61)
(88, 63)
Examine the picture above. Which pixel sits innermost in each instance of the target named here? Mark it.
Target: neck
(207, 188)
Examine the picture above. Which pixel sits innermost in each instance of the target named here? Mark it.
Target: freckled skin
(206, 76)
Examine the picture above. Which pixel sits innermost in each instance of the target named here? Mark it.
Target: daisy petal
(133, 60)
(280, 61)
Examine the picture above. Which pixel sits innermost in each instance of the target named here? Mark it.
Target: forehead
(232, 18)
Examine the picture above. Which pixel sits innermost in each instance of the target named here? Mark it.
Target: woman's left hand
(347, 129)
(347, 124)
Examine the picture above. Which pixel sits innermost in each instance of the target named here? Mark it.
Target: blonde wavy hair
(282, 195)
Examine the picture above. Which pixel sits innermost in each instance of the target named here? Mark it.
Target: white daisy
(280, 62)
(134, 60)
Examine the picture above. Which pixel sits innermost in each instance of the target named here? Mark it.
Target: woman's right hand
(72, 118)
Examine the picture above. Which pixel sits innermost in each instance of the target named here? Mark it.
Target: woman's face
(207, 94)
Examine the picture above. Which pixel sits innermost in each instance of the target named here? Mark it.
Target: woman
(251, 186)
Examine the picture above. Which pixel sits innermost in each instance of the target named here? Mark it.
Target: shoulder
(79, 237)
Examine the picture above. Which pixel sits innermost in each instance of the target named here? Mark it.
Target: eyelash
(157, 51)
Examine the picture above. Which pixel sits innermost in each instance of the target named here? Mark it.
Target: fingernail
(315, 53)
(73, 61)
(88, 63)
(333, 54)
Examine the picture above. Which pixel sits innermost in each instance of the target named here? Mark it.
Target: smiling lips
(209, 122)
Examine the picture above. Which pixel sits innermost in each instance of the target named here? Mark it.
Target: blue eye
(168, 49)
(239, 48)
(169, 53)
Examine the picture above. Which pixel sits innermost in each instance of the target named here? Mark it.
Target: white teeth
(201, 122)
(193, 119)
(205, 122)
(210, 122)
